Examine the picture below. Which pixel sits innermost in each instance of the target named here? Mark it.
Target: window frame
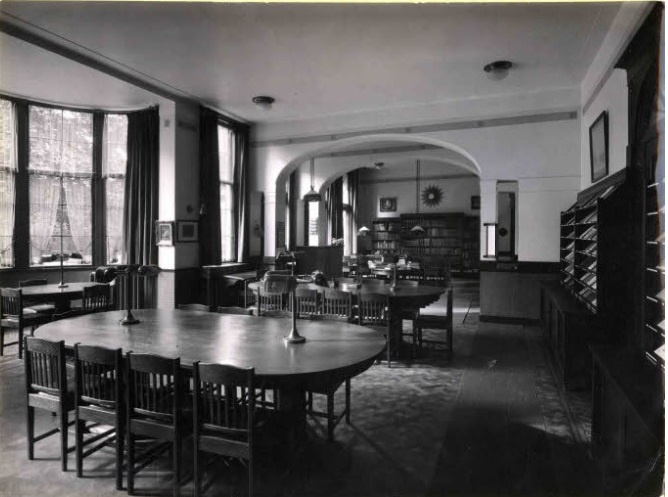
(21, 242)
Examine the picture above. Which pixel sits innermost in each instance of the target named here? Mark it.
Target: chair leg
(30, 425)
(250, 475)
(20, 343)
(176, 487)
(63, 437)
(131, 463)
(330, 416)
(2, 341)
(78, 443)
(196, 475)
(120, 439)
(348, 401)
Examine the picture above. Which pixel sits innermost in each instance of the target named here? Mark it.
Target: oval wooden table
(333, 351)
(61, 297)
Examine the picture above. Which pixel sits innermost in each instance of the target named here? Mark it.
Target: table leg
(292, 411)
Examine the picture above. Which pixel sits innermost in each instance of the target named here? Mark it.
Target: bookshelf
(450, 240)
(654, 304)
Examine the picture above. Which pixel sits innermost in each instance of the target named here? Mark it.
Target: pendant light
(417, 229)
(312, 195)
(363, 231)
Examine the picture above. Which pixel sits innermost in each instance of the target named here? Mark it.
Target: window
(226, 176)
(8, 167)
(67, 196)
(60, 183)
(114, 163)
(347, 217)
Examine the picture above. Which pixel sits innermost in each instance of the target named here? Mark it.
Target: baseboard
(508, 320)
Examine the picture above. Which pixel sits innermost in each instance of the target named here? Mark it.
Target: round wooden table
(61, 297)
(333, 351)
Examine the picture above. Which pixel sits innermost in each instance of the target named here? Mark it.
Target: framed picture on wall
(388, 204)
(164, 233)
(187, 231)
(598, 147)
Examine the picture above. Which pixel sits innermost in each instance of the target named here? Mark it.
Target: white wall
(541, 152)
(613, 98)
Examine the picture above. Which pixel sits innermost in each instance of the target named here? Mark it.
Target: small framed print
(598, 147)
(475, 202)
(388, 204)
(187, 231)
(164, 233)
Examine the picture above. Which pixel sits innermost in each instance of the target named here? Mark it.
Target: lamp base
(128, 319)
(294, 339)
(63, 285)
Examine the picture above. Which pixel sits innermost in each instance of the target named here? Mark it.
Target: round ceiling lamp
(264, 102)
(498, 69)
(312, 195)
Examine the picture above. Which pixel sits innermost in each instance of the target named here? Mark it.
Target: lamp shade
(312, 196)
(417, 230)
(363, 231)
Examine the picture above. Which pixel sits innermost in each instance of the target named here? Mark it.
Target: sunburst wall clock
(432, 196)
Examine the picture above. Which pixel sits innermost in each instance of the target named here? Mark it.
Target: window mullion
(99, 250)
(22, 215)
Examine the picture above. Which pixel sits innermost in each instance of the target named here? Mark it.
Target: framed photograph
(164, 233)
(475, 202)
(388, 204)
(187, 231)
(598, 147)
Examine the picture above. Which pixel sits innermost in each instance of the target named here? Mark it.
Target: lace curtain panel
(8, 166)
(114, 165)
(78, 203)
(44, 197)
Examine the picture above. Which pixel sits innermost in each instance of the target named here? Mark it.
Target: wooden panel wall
(511, 291)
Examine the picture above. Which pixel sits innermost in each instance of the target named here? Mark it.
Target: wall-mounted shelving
(449, 240)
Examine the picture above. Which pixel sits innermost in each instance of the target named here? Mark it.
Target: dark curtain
(241, 225)
(141, 187)
(353, 190)
(334, 207)
(292, 210)
(209, 189)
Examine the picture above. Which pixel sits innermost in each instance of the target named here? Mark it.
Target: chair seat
(29, 319)
(40, 308)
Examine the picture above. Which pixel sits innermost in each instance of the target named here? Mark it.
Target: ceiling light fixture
(417, 230)
(312, 195)
(498, 69)
(264, 102)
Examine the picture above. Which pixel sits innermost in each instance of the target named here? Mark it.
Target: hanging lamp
(417, 229)
(312, 195)
(363, 231)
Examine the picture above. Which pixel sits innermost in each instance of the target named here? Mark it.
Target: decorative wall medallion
(432, 196)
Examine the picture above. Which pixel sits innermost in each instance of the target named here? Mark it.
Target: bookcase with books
(386, 235)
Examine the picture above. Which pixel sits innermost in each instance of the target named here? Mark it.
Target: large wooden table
(333, 350)
(61, 297)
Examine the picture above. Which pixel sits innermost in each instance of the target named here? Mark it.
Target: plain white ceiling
(317, 60)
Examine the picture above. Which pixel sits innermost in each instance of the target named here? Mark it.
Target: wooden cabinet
(569, 329)
(627, 418)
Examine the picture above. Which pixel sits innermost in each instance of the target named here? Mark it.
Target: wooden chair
(374, 311)
(154, 409)
(434, 322)
(240, 311)
(224, 415)
(47, 389)
(96, 298)
(336, 305)
(195, 307)
(308, 302)
(40, 308)
(269, 302)
(14, 317)
(98, 398)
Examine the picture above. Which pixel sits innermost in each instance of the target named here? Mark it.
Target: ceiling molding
(387, 150)
(412, 178)
(428, 128)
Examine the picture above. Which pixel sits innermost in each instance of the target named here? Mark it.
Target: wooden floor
(486, 420)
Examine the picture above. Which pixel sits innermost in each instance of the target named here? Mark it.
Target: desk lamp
(274, 283)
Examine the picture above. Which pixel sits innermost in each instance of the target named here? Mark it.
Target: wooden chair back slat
(373, 308)
(337, 304)
(98, 375)
(154, 386)
(11, 302)
(270, 301)
(45, 366)
(97, 297)
(308, 302)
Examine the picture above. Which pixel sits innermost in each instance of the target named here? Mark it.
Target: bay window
(62, 184)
